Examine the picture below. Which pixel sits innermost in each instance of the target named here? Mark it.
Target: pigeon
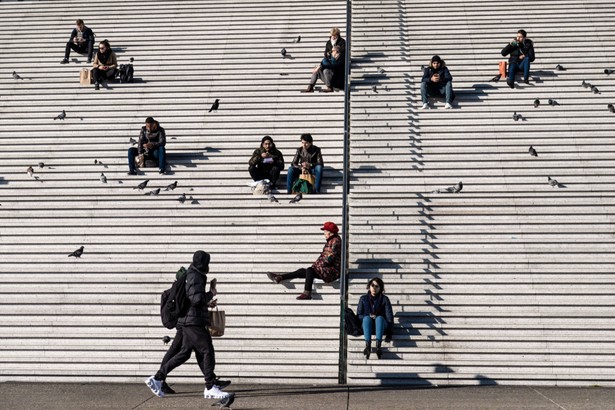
(516, 116)
(132, 59)
(193, 201)
(381, 70)
(374, 88)
(215, 105)
(103, 178)
(166, 340)
(182, 198)
(16, 76)
(132, 141)
(533, 152)
(553, 182)
(496, 78)
(559, 68)
(283, 52)
(60, 116)
(272, 198)
(608, 71)
(171, 187)
(153, 192)
(77, 253)
(30, 171)
(585, 84)
(41, 165)
(611, 108)
(452, 189)
(595, 89)
(226, 402)
(296, 199)
(536, 103)
(552, 102)
(298, 40)
(142, 185)
(95, 162)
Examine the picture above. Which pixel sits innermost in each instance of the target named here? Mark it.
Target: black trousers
(195, 338)
(100, 75)
(309, 274)
(258, 172)
(80, 48)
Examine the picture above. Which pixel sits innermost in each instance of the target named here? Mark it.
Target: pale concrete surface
(51, 396)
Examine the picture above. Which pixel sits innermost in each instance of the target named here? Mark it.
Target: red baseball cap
(330, 226)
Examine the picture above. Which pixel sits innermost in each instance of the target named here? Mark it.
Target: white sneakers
(425, 106)
(447, 106)
(215, 393)
(155, 386)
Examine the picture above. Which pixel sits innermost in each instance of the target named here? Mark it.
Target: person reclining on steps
(152, 143)
(330, 71)
(521, 51)
(308, 158)
(105, 64)
(81, 40)
(326, 267)
(437, 82)
(266, 162)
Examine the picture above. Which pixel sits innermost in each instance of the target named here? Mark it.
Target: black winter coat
(158, 138)
(526, 48)
(196, 278)
(88, 35)
(383, 308)
(329, 46)
(445, 75)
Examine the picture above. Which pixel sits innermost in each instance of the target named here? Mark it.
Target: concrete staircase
(97, 318)
(509, 281)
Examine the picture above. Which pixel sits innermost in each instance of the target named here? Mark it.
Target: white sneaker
(447, 106)
(215, 393)
(425, 106)
(155, 386)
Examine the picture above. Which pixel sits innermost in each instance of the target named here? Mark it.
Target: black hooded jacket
(526, 47)
(196, 278)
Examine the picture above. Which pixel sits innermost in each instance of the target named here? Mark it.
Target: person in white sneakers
(195, 333)
(437, 82)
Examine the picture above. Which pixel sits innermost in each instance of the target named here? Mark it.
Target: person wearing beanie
(327, 267)
(437, 82)
(195, 334)
(376, 314)
(266, 162)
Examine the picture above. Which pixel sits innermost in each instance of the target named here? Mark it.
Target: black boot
(379, 349)
(368, 349)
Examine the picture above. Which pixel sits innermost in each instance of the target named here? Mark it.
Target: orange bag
(503, 70)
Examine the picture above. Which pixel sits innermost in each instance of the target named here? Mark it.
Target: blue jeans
(293, 174)
(159, 154)
(434, 90)
(368, 325)
(523, 65)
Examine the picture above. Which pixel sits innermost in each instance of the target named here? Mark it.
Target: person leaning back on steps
(152, 143)
(308, 158)
(521, 53)
(105, 64)
(81, 40)
(330, 71)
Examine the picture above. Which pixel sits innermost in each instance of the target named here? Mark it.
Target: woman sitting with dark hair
(266, 162)
(105, 64)
(375, 309)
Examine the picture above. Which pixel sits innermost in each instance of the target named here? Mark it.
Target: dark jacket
(196, 278)
(158, 137)
(379, 306)
(340, 42)
(88, 35)
(516, 49)
(445, 75)
(338, 70)
(312, 156)
(257, 159)
(328, 264)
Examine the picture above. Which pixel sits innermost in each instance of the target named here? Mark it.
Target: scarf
(375, 303)
(103, 57)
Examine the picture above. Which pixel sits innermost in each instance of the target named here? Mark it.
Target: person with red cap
(327, 267)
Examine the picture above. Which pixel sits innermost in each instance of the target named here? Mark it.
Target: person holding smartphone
(437, 82)
(81, 40)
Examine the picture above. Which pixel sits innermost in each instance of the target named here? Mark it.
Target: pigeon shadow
(288, 56)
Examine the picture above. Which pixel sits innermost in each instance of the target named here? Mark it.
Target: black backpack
(174, 303)
(126, 73)
(353, 324)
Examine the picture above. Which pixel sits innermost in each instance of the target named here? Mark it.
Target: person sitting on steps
(81, 40)
(308, 158)
(152, 143)
(330, 71)
(374, 310)
(105, 64)
(437, 82)
(327, 266)
(521, 51)
(266, 162)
